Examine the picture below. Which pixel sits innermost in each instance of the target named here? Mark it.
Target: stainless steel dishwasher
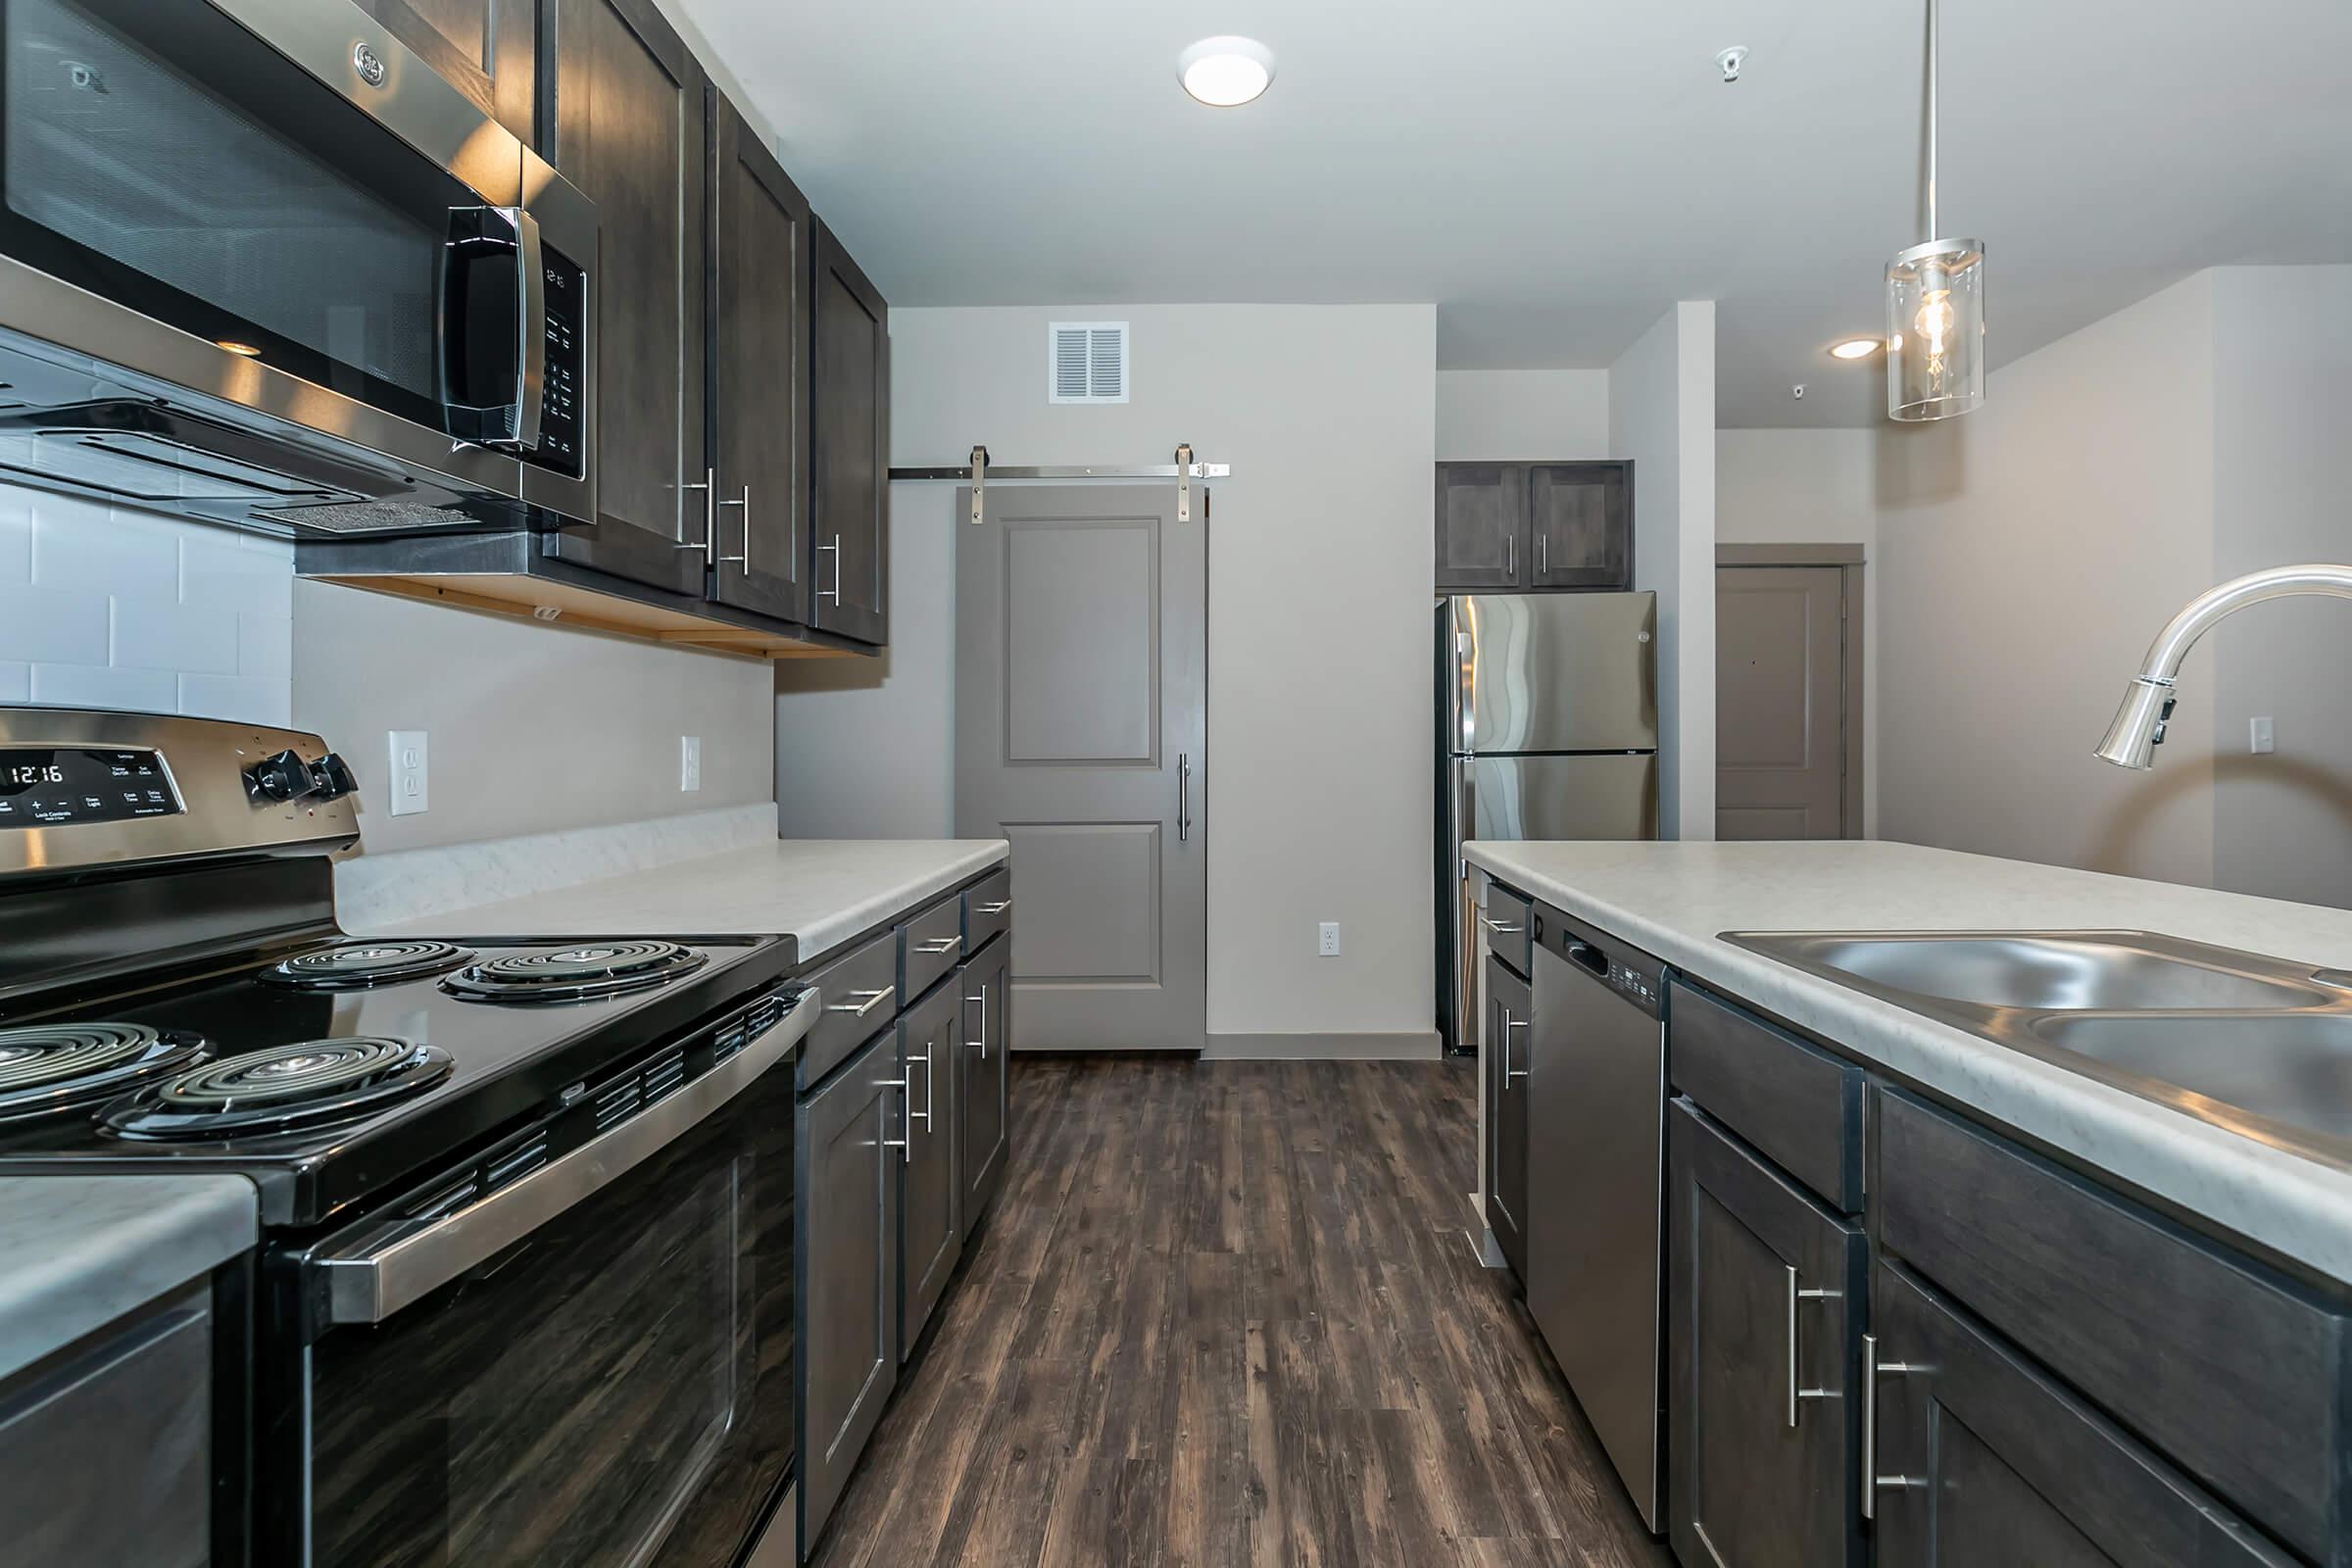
(1595, 1120)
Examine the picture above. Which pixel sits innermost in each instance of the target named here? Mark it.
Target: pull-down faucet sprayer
(2139, 726)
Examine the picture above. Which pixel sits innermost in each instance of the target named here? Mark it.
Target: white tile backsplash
(109, 606)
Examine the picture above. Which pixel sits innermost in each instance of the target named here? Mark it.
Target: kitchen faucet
(2139, 726)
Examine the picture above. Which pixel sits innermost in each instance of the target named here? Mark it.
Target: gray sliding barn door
(1081, 691)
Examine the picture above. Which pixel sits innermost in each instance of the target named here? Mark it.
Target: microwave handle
(379, 1277)
(512, 425)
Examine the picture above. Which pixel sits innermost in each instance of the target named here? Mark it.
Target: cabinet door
(1510, 1017)
(1482, 526)
(629, 116)
(846, 1256)
(1580, 525)
(1764, 1311)
(762, 248)
(985, 1102)
(930, 1237)
(850, 407)
(1982, 1460)
(487, 49)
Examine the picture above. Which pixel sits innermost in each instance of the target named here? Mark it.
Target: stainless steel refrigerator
(1548, 713)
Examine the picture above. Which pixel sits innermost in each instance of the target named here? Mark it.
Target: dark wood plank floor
(1225, 1313)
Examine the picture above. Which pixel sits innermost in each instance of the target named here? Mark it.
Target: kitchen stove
(481, 1164)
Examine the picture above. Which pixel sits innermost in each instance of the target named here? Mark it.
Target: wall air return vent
(1086, 362)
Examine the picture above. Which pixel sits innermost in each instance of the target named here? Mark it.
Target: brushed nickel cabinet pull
(1795, 1392)
(873, 1000)
(744, 560)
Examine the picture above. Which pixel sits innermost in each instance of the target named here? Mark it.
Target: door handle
(744, 560)
(1510, 556)
(998, 908)
(833, 593)
(1542, 555)
(942, 945)
(1874, 1369)
(1496, 926)
(929, 1073)
(707, 485)
(1184, 797)
(905, 1145)
(873, 1000)
(982, 998)
(1796, 1394)
(1510, 1072)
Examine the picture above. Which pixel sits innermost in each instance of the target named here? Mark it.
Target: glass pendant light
(1934, 305)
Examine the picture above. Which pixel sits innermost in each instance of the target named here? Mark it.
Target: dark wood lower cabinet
(1510, 1017)
(982, 1078)
(1765, 1305)
(1982, 1460)
(847, 1251)
(930, 1209)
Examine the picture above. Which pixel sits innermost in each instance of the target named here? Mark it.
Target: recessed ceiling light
(1225, 71)
(1855, 348)
(235, 347)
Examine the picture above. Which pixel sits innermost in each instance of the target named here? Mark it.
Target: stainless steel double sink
(2254, 1044)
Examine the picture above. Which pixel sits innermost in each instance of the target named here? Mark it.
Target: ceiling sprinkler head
(1730, 59)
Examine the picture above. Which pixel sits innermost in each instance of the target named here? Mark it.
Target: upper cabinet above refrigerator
(1514, 528)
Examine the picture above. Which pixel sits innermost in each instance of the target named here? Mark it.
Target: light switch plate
(690, 761)
(2261, 740)
(411, 772)
(1327, 940)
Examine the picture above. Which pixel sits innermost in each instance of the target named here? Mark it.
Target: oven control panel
(564, 399)
(53, 786)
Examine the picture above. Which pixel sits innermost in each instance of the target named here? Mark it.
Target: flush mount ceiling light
(1854, 347)
(1934, 305)
(1226, 71)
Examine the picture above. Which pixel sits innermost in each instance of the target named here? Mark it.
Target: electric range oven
(525, 1293)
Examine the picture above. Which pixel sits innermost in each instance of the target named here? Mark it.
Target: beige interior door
(1081, 687)
(1782, 750)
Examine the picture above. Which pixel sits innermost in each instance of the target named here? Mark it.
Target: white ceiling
(1553, 173)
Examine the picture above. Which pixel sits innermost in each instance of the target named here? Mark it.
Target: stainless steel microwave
(260, 264)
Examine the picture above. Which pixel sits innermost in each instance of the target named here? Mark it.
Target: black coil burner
(367, 963)
(575, 973)
(50, 1068)
(307, 1084)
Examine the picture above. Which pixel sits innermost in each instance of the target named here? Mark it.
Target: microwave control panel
(562, 426)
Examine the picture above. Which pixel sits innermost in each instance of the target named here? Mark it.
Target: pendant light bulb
(1935, 303)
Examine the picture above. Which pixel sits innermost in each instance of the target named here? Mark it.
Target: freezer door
(1605, 796)
(1554, 672)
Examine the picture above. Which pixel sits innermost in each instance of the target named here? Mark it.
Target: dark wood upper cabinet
(1509, 527)
(1581, 523)
(762, 250)
(629, 132)
(1482, 522)
(487, 49)
(849, 410)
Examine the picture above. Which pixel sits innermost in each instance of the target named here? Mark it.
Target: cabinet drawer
(862, 995)
(1796, 1102)
(930, 943)
(2236, 1375)
(1508, 918)
(987, 909)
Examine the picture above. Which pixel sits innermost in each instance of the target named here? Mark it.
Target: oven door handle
(370, 1283)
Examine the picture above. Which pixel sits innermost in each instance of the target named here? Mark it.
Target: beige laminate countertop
(1674, 900)
(821, 891)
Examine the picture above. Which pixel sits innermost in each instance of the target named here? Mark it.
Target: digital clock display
(59, 786)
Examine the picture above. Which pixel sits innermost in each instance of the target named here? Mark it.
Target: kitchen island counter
(1675, 899)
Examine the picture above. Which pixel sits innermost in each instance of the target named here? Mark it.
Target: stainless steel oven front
(590, 1362)
(258, 261)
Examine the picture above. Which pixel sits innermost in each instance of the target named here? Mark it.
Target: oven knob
(283, 778)
(332, 778)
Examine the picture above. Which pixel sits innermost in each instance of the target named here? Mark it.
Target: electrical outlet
(1327, 940)
(690, 761)
(411, 772)
(2261, 740)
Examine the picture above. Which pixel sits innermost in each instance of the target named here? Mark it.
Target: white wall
(1317, 784)
(2283, 362)
(114, 608)
(1522, 416)
(1662, 416)
(2027, 553)
(1788, 486)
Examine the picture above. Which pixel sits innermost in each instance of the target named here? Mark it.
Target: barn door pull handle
(1184, 797)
